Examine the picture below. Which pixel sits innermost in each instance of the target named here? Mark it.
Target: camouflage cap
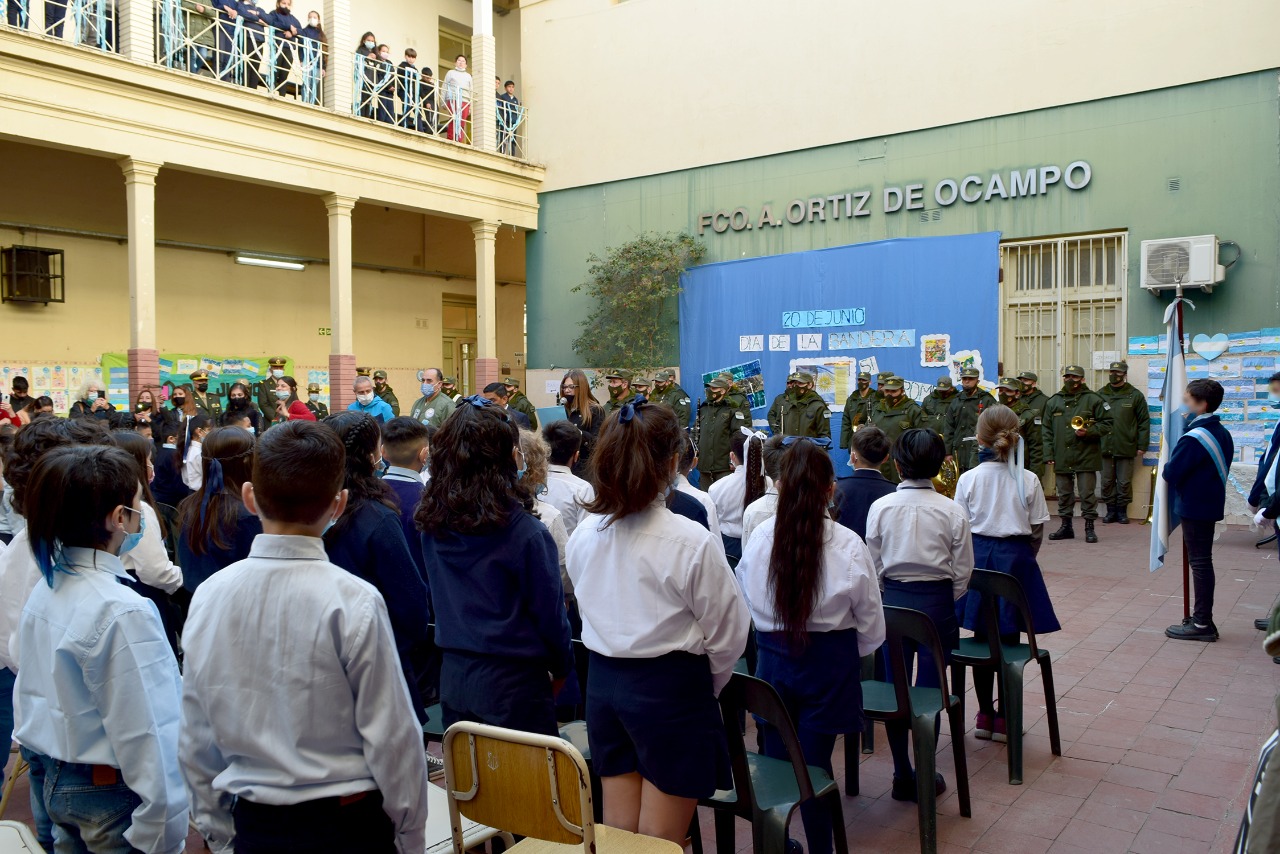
(945, 382)
(971, 374)
(314, 388)
(892, 383)
(664, 376)
(718, 382)
(379, 374)
(1073, 371)
(1010, 383)
(1122, 367)
(619, 374)
(1029, 375)
(511, 381)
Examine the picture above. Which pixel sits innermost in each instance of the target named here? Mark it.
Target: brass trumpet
(1079, 422)
(944, 482)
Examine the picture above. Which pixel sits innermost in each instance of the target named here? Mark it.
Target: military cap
(971, 374)
(276, 361)
(198, 375)
(641, 381)
(1123, 367)
(665, 376)
(619, 374)
(1011, 383)
(1029, 375)
(363, 372)
(1073, 371)
(801, 377)
(883, 375)
(718, 382)
(314, 388)
(865, 375)
(449, 381)
(945, 382)
(511, 381)
(892, 383)
(379, 374)
(727, 377)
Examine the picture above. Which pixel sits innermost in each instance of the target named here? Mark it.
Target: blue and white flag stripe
(1163, 519)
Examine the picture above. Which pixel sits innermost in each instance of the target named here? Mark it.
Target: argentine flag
(1163, 519)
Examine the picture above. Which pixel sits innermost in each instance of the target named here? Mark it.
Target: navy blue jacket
(408, 494)
(168, 487)
(1197, 489)
(689, 507)
(369, 543)
(855, 495)
(197, 568)
(498, 593)
(1258, 496)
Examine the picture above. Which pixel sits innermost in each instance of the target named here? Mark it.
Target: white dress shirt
(568, 493)
(99, 685)
(553, 521)
(192, 473)
(11, 521)
(989, 496)
(19, 575)
(849, 597)
(150, 559)
(293, 692)
(713, 515)
(654, 583)
(729, 493)
(764, 507)
(915, 534)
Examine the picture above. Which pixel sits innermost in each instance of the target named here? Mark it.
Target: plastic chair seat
(1021, 652)
(972, 651)
(774, 782)
(880, 701)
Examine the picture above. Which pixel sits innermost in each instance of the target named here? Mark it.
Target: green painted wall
(1220, 137)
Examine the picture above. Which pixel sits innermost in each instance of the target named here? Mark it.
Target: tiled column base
(342, 373)
(486, 372)
(144, 370)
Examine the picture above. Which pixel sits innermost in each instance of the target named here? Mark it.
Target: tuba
(944, 482)
(1079, 422)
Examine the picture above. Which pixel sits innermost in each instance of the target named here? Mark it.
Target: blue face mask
(132, 540)
(428, 389)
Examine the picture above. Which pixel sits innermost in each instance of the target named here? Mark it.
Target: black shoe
(1122, 514)
(1066, 532)
(904, 788)
(1113, 515)
(1089, 535)
(1188, 630)
(1262, 624)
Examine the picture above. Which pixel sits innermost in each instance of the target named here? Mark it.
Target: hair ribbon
(628, 411)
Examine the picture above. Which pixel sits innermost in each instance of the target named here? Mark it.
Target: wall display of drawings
(920, 307)
(176, 368)
(1241, 361)
(59, 383)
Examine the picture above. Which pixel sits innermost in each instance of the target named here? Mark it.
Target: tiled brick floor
(1159, 737)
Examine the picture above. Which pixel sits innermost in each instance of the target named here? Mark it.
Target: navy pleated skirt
(1014, 556)
(820, 684)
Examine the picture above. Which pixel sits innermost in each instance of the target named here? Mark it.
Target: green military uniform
(386, 392)
(520, 403)
(207, 402)
(627, 397)
(318, 409)
(674, 396)
(962, 422)
(737, 398)
(265, 390)
(1010, 393)
(855, 409)
(1076, 459)
(800, 411)
(935, 406)
(450, 387)
(895, 417)
(1130, 434)
(717, 422)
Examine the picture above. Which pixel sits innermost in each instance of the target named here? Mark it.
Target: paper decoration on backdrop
(1211, 347)
(964, 360)
(1102, 359)
(779, 343)
(809, 341)
(751, 343)
(935, 350)
(836, 378)
(748, 377)
(870, 365)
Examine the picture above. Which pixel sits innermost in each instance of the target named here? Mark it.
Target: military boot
(1066, 532)
(1122, 514)
(1089, 535)
(1113, 515)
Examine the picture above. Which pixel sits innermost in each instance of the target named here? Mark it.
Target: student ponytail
(998, 430)
(632, 461)
(795, 564)
(754, 461)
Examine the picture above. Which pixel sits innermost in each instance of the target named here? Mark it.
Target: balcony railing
(88, 23)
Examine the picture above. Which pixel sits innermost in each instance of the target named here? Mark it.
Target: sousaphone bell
(944, 482)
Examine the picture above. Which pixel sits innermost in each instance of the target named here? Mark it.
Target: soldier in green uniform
(1010, 393)
(641, 386)
(667, 390)
(1032, 396)
(517, 400)
(386, 392)
(895, 413)
(207, 402)
(718, 419)
(935, 406)
(1130, 434)
(856, 408)
(314, 403)
(800, 411)
(1075, 453)
(962, 420)
(265, 390)
(620, 392)
(737, 397)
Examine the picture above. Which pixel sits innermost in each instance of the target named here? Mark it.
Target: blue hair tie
(626, 413)
(212, 486)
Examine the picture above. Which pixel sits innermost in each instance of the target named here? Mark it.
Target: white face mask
(282, 395)
(365, 397)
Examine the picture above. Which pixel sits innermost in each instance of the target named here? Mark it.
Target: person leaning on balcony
(457, 98)
(313, 46)
(508, 118)
(366, 55)
(287, 29)
(384, 86)
(417, 93)
(255, 33)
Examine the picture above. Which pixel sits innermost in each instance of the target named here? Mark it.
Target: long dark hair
(632, 462)
(474, 488)
(208, 517)
(72, 491)
(360, 435)
(583, 400)
(795, 564)
(754, 462)
(141, 449)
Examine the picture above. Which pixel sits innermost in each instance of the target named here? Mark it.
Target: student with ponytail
(215, 529)
(1007, 511)
(733, 494)
(665, 624)
(812, 590)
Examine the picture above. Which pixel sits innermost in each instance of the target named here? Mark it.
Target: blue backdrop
(920, 307)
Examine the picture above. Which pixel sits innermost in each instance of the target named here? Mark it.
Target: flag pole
(1186, 561)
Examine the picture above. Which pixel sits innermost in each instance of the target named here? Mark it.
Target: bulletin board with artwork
(60, 383)
(224, 371)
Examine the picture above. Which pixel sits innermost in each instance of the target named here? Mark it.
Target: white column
(35, 16)
(339, 79)
(484, 63)
(140, 194)
(137, 29)
(342, 359)
(486, 303)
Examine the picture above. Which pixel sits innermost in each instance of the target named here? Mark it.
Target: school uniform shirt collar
(402, 473)
(874, 474)
(555, 469)
(917, 483)
(95, 559)
(288, 547)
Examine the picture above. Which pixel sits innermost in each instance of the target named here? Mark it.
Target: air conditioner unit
(1181, 262)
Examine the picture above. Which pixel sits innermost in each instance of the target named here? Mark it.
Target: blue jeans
(87, 817)
(39, 815)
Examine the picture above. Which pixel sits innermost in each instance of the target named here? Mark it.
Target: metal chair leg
(19, 768)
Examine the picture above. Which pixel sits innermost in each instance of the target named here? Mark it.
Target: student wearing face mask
(313, 46)
(238, 402)
(384, 86)
(286, 29)
(288, 407)
(434, 406)
(97, 700)
(189, 451)
(314, 403)
(368, 402)
(265, 389)
(366, 60)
